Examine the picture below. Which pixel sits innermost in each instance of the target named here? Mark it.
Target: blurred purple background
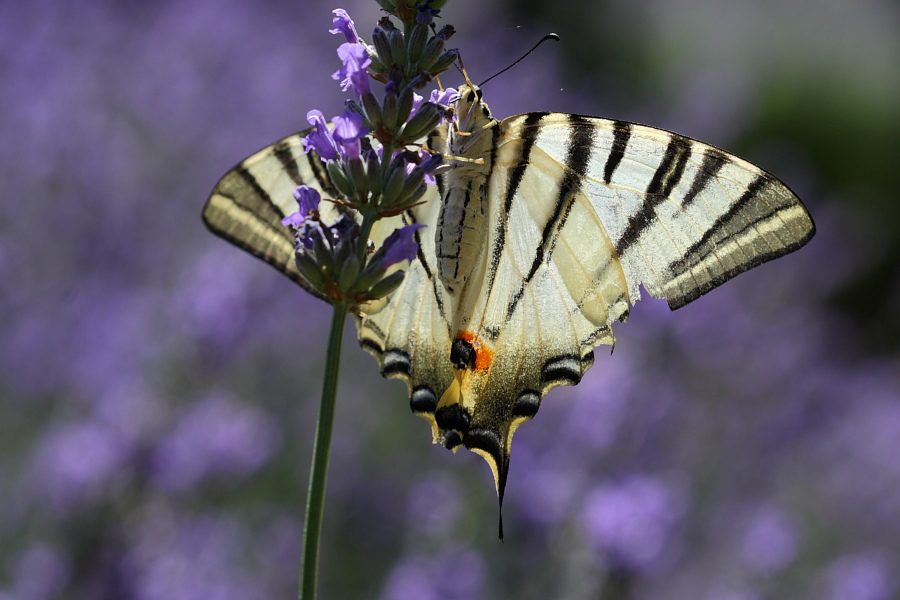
(158, 388)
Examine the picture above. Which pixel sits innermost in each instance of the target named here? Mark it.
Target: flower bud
(308, 268)
(444, 62)
(349, 271)
(323, 256)
(370, 275)
(358, 177)
(376, 66)
(446, 32)
(340, 179)
(373, 173)
(398, 48)
(405, 104)
(382, 46)
(423, 122)
(386, 285)
(430, 54)
(395, 178)
(416, 42)
(389, 111)
(413, 189)
(372, 109)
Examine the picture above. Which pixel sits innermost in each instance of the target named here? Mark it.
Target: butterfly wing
(683, 216)
(583, 211)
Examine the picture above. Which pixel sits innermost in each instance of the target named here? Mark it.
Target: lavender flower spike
(400, 245)
(320, 140)
(344, 24)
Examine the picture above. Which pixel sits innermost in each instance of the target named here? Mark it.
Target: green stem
(315, 502)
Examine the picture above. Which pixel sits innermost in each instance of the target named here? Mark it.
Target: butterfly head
(472, 114)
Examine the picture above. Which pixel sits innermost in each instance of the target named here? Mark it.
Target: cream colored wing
(583, 211)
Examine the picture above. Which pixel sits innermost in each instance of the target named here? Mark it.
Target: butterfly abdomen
(460, 233)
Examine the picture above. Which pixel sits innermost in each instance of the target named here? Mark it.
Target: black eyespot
(462, 354)
(470, 97)
(527, 404)
(423, 400)
(452, 417)
(479, 93)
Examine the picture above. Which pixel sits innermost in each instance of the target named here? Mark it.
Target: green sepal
(386, 285)
(431, 53)
(323, 256)
(382, 46)
(417, 39)
(373, 175)
(444, 62)
(423, 122)
(309, 269)
(394, 186)
(373, 110)
(358, 178)
(389, 112)
(339, 179)
(349, 272)
(398, 48)
(404, 104)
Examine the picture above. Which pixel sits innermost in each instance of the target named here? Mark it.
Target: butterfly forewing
(683, 216)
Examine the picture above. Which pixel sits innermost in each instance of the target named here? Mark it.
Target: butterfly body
(459, 236)
(539, 236)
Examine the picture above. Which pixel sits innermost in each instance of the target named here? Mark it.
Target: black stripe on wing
(530, 130)
(706, 245)
(578, 157)
(667, 175)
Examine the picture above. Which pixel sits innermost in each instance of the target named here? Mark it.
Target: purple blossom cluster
(368, 154)
(158, 392)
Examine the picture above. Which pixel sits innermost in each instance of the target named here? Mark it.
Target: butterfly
(538, 239)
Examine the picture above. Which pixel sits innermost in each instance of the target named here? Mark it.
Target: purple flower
(861, 577)
(770, 542)
(417, 101)
(430, 163)
(320, 140)
(443, 97)
(214, 437)
(308, 198)
(453, 574)
(344, 24)
(400, 245)
(355, 59)
(633, 521)
(76, 463)
(348, 128)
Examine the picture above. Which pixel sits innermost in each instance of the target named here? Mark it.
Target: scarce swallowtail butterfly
(536, 243)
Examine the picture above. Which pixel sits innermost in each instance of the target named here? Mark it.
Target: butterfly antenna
(465, 73)
(549, 36)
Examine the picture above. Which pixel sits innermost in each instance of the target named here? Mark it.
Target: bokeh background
(158, 388)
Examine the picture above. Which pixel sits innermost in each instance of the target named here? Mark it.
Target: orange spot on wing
(484, 356)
